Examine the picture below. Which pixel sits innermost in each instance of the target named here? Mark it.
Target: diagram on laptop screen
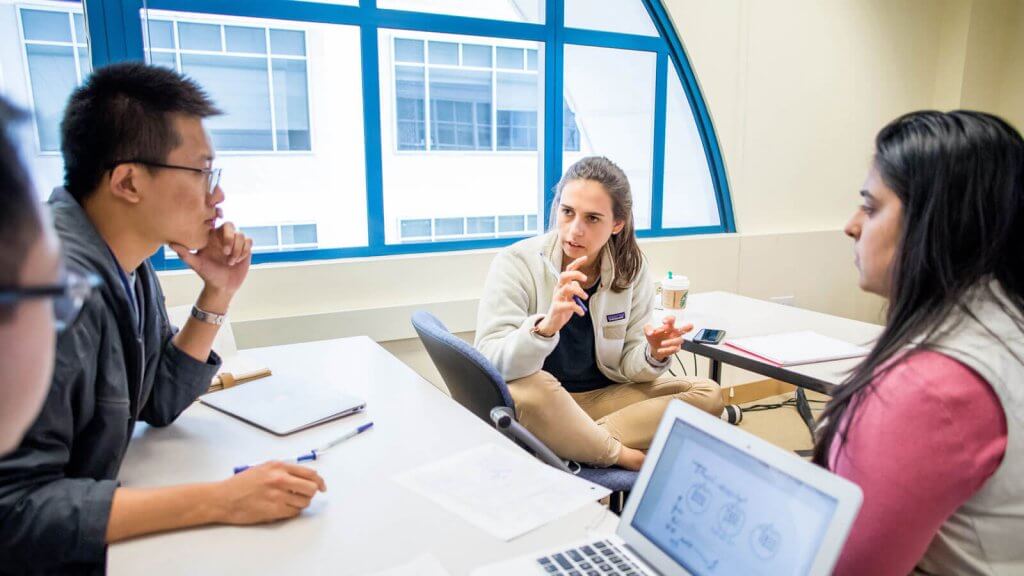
(718, 510)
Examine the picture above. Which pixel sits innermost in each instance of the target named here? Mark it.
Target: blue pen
(551, 268)
(315, 454)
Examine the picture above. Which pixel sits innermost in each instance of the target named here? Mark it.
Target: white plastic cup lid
(675, 283)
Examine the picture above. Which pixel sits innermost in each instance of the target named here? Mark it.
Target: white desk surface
(365, 522)
(741, 316)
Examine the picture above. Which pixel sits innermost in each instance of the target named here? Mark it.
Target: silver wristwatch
(208, 317)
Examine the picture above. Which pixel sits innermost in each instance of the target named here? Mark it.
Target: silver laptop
(713, 499)
(283, 405)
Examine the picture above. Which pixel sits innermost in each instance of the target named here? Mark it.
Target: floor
(781, 426)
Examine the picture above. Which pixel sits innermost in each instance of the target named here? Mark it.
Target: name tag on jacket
(615, 317)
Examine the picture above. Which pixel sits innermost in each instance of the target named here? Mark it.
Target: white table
(365, 522)
(741, 316)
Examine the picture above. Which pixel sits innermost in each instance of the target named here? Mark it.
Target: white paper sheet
(422, 565)
(501, 489)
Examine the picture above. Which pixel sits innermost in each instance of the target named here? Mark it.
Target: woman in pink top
(930, 424)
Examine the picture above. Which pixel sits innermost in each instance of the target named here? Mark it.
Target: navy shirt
(574, 360)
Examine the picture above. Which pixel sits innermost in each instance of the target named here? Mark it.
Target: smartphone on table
(709, 336)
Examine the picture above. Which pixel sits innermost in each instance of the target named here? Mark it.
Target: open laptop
(713, 499)
(283, 405)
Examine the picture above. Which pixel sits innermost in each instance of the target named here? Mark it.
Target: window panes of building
(44, 55)
(290, 140)
(611, 93)
(256, 74)
(460, 136)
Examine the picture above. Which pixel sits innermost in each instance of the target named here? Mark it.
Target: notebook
(793, 348)
(712, 499)
(283, 405)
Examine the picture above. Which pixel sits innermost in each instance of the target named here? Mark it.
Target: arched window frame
(115, 32)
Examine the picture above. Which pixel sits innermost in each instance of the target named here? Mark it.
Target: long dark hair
(626, 254)
(960, 178)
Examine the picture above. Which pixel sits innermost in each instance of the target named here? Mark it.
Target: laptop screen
(715, 509)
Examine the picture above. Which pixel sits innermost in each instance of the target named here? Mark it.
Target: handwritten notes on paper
(501, 489)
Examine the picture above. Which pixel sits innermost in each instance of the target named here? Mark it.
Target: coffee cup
(674, 291)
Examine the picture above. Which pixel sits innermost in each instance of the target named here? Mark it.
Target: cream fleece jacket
(518, 293)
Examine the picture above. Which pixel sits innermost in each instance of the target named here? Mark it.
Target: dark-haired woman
(563, 318)
(931, 424)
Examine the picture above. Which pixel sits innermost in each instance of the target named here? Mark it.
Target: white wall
(994, 62)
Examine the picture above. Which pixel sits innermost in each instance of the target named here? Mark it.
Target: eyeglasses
(212, 174)
(68, 296)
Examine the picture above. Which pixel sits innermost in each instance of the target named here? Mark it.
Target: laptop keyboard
(596, 559)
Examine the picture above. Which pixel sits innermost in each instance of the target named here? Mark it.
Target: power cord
(798, 401)
(681, 365)
(788, 402)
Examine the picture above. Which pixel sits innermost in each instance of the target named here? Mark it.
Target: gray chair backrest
(471, 380)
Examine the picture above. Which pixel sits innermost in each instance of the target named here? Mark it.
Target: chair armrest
(504, 419)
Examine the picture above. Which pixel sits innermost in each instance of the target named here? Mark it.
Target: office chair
(475, 384)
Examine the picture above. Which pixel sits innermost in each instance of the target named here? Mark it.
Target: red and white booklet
(794, 348)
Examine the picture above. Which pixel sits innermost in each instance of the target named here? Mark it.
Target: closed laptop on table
(283, 405)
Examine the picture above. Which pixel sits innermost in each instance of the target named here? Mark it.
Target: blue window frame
(114, 26)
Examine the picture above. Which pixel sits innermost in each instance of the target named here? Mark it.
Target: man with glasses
(35, 297)
(138, 176)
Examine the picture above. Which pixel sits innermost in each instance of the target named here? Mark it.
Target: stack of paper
(793, 348)
(501, 489)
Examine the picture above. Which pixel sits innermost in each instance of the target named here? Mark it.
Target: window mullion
(177, 47)
(369, 54)
(427, 113)
(658, 168)
(553, 93)
(494, 99)
(270, 91)
(74, 48)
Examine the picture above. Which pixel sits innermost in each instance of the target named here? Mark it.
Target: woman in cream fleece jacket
(564, 319)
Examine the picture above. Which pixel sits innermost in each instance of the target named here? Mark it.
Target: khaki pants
(591, 427)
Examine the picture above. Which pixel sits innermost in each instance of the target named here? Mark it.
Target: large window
(290, 140)
(398, 126)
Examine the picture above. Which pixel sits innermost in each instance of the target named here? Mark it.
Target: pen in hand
(315, 454)
(554, 272)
